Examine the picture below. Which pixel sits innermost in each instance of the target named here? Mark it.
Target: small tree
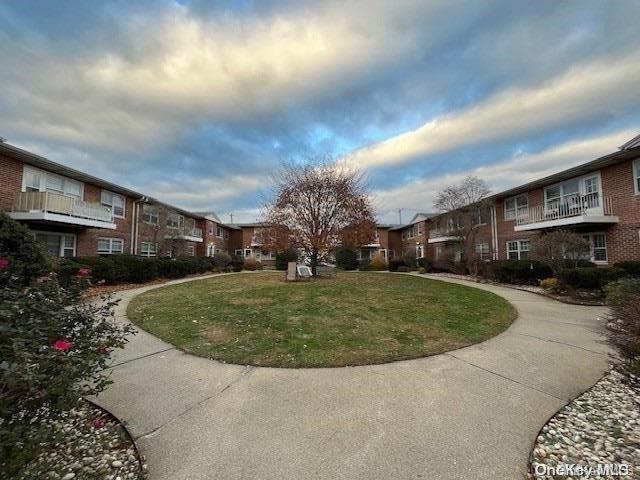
(221, 261)
(346, 258)
(559, 247)
(285, 256)
(468, 208)
(317, 208)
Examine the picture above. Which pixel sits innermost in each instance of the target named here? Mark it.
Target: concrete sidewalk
(470, 414)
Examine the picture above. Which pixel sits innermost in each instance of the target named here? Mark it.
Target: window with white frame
(150, 214)
(419, 251)
(598, 247)
(239, 252)
(480, 216)
(636, 175)
(190, 250)
(420, 229)
(482, 251)
(516, 207)
(219, 231)
(114, 202)
(36, 180)
(58, 244)
(148, 249)
(110, 246)
(175, 220)
(518, 249)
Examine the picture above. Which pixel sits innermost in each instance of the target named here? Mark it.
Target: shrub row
(116, 269)
(591, 278)
(522, 272)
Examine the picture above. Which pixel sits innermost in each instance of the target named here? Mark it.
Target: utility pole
(400, 215)
(231, 216)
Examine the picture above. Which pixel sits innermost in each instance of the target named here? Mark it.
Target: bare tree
(468, 206)
(556, 248)
(317, 208)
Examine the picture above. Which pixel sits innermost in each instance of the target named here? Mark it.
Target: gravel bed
(94, 446)
(601, 427)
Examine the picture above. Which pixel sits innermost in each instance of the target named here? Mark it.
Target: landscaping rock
(602, 427)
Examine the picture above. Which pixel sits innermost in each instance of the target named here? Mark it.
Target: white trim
(520, 249)
(590, 236)
(562, 222)
(57, 218)
(42, 187)
(111, 204)
(148, 253)
(635, 166)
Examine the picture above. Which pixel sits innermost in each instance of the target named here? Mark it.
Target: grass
(354, 319)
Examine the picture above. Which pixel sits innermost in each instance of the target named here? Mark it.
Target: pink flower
(103, 350)
(84, 272)
(62, 345)
(4, 263)
(98, 423)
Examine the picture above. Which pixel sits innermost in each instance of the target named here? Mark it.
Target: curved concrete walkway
(468, 414)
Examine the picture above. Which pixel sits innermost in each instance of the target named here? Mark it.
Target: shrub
(593, 278)
(631, 267)
(104, 269)
(559, 248)
(251, 264)
(550, 284)
(24, 258)
(346, 259)
(138, 269)
(394, 263)
(422, 270)
(221, 261)
(403, 269)
(578, 263)
(284, 257)
(617, 292)
(521, 272)
(170, 268)
(364, 264)
(425, 263)
(54, 348)
(236, 263)
(624, 331)
(410, 259)
(378, 263)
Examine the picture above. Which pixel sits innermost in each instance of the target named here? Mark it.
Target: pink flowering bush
(54, 347)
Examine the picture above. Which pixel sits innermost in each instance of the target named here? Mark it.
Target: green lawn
(354, 319)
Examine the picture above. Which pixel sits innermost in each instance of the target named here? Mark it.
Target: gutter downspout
(134, 224)
(494, 231)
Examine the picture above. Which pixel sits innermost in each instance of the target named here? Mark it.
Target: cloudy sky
(198, 104)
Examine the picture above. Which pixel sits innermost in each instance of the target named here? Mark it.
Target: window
(150, 214)
(113, 201)
(439, 252)
(481, 216)
(211, 250)
(239, 252)
(247, 252)
(598, 247)
(516, 207)
(419, 253)
(564, 198)
(175, 220)
(391, 254)
(210, 225)
(411, 232)
(518, 249)
(35, 180)
(482, 251)
(636, 175)
(420, 229)
(219, 231)
(226, 234)
(190, 250)
(147, 249)
(57, 244)
(108, 246)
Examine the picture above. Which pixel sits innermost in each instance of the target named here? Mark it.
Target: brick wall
(10, 181)
(505, 227)
(209, 230)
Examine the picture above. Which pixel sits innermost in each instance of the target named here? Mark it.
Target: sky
(198, 103)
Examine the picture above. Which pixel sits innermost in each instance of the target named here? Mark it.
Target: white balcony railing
(443, 233)
(49, 202)
(573, 206)
(181, 232)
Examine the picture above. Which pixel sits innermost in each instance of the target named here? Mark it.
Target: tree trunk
(314, 261)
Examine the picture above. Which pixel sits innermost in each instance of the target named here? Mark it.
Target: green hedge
(631, 267)
(592, 278)
(284, 257)
(115, 269)
(346, 259)
(518, 271)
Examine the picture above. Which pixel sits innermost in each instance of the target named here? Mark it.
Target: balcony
(191, 234)
(57, 208)
(591, 209)
(440, 236)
